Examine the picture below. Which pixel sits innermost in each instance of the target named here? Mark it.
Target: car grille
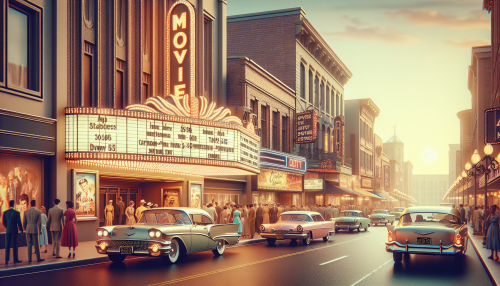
(343, 223)
(137, 244)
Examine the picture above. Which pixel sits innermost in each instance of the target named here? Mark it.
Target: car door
(319, 228)
(199, 232)
(362, 220)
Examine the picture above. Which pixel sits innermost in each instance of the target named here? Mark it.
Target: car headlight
(155, 247)
(151, 233)
(157, 234)
(300, 228)
(103, 245)
(272, 230)
(262, 227)
(105, 233)
(99, 233)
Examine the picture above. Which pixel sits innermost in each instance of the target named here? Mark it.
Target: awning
(333, 189)
(380, 196)
(365, 193)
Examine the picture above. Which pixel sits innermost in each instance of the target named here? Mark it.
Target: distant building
(429, 190)
(453, 167)
(408, 178)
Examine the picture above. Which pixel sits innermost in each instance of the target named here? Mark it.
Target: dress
(130, 215)
(493, 237)
(244, 222)
(43, 237)
(265, 216)
(108, 210)
(69, 237)
(237, 219)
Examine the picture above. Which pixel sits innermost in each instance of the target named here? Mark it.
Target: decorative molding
(27, 116)
(21, 134)
(19, 150)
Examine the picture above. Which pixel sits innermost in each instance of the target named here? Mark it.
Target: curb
(482, 262)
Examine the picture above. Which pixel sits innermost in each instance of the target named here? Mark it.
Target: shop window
(276, 145)
(302, 81)
(207, 57)
(284, 134)
(22, 49)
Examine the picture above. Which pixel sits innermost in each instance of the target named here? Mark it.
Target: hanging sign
(306, 127)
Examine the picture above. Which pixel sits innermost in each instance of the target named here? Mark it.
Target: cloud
(468, 43)
(476, 20)
(402, 4)
(388, 35)
(355, 21)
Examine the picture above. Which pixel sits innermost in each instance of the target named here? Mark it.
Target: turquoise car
(381, 217)
(351, 220)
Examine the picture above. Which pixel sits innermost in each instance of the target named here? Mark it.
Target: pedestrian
(224, 215)
(109, 213)
(212, 212)
(155, 206)
(204, 207)
(120, 210)
(467, 214)
(70, 235)
(139, 210)
(492, 240)
(462, 213)
(43, 237)
(237, 218)
(129, 213)
(149, 205)
(273, 214)
(56, 223)
(244, 221)
(32, 223)
(258, 218)
(218, 210)
(251, 220)
(11, 220)
(265, 215)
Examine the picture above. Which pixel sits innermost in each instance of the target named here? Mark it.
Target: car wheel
(366, 228)
(398, 257)
(307, 240)
(116, 258)
(219, 250)
(175, 252)
(459, 257)
(375, 224)
(327, 237)
(406, 257)
(336, 229)
(359, 228)
(271, 241)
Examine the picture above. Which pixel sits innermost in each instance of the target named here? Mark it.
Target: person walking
(70, 235)
(218, 210)
(56, 223)
(139, 210)
(265, 215)
(212, 212)
(11, 220)
(493, 237)
(120, 210)
(129, 213)
(479, 218)
(237, 219)
(462, 213)
(43, 237)
(224, 215)
(109, 213)
(244, 221)
(273, 214)
(467, 214)
(32, 223)
(258, 219)
(251, 220)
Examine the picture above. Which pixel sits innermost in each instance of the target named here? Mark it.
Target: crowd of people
(61, 224)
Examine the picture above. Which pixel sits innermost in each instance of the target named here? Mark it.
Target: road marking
(371, 273)
(334, 260)
(253, 263)
(66, 268)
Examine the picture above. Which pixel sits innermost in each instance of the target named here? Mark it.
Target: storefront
(280, 179)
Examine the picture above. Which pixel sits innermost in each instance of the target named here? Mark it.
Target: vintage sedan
(397, 211)
(428, 230)
(304, 225)
(381, 217)
(351, 220)
(169, 233)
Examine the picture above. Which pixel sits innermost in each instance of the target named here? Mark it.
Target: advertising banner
(313, 184)
(278, 180)
(306, 127)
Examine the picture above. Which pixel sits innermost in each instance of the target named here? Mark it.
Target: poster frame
(74, 173)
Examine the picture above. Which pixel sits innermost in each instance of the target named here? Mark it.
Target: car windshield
(295, 217)
(165, 216)
(430, 217)
(351, 214)
(398, 210)
(379, 212)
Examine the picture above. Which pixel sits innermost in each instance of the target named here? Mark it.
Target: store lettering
(179, 41)
(276, 178)
(294, 163)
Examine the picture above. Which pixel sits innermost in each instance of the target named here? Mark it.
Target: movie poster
(170, 197)
(84, 190)
(20, 180)
(195, 195)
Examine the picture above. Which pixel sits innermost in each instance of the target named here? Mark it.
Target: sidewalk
(85, 254)
(491, 266)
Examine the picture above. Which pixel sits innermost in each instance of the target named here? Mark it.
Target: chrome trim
(440, 247)
(424, 233)
(225, 235)
(406, 249)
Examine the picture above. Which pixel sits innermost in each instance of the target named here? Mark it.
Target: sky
(410, 57)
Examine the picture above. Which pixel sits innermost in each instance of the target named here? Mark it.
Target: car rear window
(430, 217)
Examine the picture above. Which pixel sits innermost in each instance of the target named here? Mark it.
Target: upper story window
(22, 49)
(302, 81)
(276, 123)
(327, 104)
(322, 96)
(337, 105)
(316, 92)
(311, 87)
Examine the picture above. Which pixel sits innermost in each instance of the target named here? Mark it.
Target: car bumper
(423, 249)
(350, 226)
(163, 250)
(285, 236)
(379, 221)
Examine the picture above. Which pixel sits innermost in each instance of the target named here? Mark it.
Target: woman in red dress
(69, 234)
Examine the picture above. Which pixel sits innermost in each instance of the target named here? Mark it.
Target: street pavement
(347, 259)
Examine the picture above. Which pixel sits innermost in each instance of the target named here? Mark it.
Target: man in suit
(273, 214)
(287, 207)
(120, 210)
(218, 210)
(11, 220)
(251, 220)
(55, 224)
(33, 225)
(258, 218)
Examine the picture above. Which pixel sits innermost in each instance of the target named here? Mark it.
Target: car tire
(375, 224)
(175, 253)
(116, 258)
(366, 228)
(398, 257)
(327, 237)
(359, 228)
(351, 229)
(406, 257)
(220, 248)
(459, 257)
(307, 240)
(271, 241)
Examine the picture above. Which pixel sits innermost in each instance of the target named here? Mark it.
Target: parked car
(351, 220)
(428, 230)
(381, 217)
(169, 233)
(397, 211)
(304, 225)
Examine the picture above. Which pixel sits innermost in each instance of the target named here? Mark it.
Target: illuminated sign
(94, 133)
(387, 177)
(278, 180)
(284, 161)
(180, 49)
(306, 127)
(313, 184)
(366, 183)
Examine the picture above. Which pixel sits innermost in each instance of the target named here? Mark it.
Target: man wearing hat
(120, 211)
(139, 210)
(149, 205)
